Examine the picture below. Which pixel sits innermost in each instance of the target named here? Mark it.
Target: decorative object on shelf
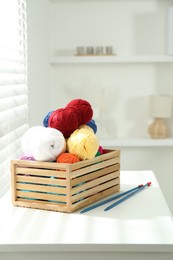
(80, 50)
(109, 50)
(170, 31)
(99, 50)
(94, 51)
(89, 50)
(160, 108)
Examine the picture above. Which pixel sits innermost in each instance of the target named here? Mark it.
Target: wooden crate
(65, 187)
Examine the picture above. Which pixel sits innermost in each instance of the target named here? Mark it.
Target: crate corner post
(68, 188)
(13, 181)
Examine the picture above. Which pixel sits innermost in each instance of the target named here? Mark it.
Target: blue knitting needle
(110, 199)
(127, 197)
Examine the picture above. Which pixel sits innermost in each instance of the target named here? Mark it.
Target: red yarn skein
(65, 120)
(84, 110)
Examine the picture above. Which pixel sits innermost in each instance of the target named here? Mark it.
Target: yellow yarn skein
(86, 127)
(83, 143)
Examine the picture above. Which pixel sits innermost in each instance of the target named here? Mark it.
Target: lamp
(160, 108)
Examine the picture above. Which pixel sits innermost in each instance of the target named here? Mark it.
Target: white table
(140, 227)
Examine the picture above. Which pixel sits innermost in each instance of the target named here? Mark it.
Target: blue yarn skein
(46, 119)
(93, 125)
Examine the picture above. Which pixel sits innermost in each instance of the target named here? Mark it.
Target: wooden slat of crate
(63, 208)
(40, 196)
(41, 188)
(94, 198)
(40, 180)
(20, 174)
(95, 190)
(109, 155)
(40, 172)
(95, 174)
(93, 167)
(40, 165)
(68, 188)
(45, 205)
(95, 182)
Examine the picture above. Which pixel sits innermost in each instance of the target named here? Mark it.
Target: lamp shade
(160, 106)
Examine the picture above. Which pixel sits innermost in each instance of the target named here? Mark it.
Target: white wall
(118, 92)
(55, 29)
(38, 67)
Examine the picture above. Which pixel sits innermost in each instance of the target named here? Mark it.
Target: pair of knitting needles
(128, 193)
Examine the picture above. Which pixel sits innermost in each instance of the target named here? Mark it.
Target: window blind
(13, 84)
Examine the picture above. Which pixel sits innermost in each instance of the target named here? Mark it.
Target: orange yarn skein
(67, 158)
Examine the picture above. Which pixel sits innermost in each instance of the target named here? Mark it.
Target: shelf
(66, 1)
(136, 142)
(110, 59)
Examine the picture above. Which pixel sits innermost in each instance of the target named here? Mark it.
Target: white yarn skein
(43, 143)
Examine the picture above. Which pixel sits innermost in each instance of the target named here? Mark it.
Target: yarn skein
(27, 157)
(84, 110)
(44, 143)
(86, 127)
(67, 158)
(83, 143)
(46, 119)
(65, 120)
(93, 125)
(100, 151)
(68, 119)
